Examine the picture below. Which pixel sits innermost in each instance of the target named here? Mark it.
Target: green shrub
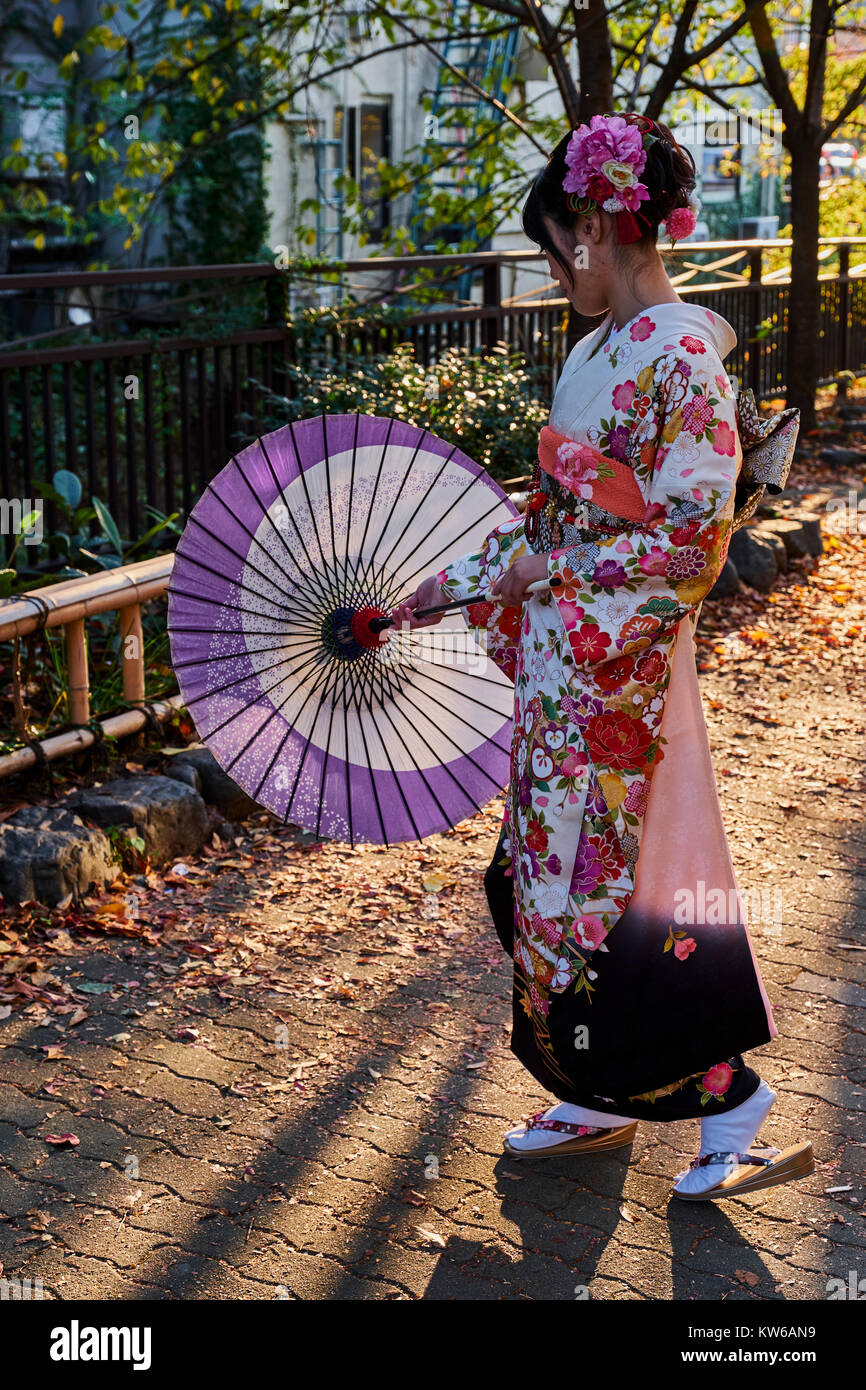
(486, 404)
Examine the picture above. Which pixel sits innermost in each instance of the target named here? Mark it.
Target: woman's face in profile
(587, 256)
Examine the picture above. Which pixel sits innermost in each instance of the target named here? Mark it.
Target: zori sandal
(585, 1138)
(753, 1172)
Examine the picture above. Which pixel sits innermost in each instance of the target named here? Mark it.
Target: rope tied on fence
(43, 763)
(21, 721)
(44, 610)
(152, 719)
(95, 728)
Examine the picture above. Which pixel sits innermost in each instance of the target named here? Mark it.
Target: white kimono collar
(676, 317)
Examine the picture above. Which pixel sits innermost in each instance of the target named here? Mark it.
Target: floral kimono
(633, 968)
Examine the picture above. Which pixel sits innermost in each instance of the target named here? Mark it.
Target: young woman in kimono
(636, 990)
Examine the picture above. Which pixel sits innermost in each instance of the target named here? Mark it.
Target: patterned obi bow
(768, 444)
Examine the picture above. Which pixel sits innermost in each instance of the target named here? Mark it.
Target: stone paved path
(292, 1083)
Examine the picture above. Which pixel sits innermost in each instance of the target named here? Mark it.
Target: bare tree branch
(680, 60)
(552, 49)
(641, 42)
(853, 101)
(724, 35)
(468, 82)
(775, 77)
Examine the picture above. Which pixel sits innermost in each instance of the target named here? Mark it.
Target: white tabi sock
(734, 1132)
(528, 1140)
(582, 1115)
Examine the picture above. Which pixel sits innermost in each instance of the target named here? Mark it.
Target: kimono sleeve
(620, 593)
(473, 574)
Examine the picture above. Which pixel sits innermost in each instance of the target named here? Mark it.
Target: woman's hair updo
(669, 176)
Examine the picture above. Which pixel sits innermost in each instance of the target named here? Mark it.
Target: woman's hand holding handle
(519, 580)
(427, 595)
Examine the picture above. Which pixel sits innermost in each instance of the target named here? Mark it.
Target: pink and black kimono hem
(668, 1095)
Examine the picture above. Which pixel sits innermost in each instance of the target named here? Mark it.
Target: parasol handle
(539, 585)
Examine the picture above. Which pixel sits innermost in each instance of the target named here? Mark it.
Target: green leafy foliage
(72, 549)
(487, 405)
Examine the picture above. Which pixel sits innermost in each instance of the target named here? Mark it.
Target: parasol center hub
(347, 632)
(364, 629)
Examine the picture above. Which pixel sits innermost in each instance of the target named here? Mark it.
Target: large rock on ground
(171, 818)
(47, 852)
(768, 531)
(754, 558)
(199, 769)
(799, 535)
(727, 584)
(842, 457)
(812, 529)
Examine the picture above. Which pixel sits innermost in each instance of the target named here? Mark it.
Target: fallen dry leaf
(432, 1236)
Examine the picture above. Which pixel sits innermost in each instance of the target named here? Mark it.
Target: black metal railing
(149, 414)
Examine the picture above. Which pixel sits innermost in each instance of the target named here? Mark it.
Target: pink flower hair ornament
(604, 160)
(680, 223)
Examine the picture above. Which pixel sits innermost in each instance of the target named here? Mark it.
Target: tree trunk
(803, 305)
(594, 58)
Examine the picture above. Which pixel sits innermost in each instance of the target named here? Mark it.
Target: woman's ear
(593, 229)
(589, 230)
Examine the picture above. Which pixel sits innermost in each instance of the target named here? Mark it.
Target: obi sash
(590, 475)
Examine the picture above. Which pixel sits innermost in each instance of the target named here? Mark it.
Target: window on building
(366, 134)
(720, 172)
(38, 128)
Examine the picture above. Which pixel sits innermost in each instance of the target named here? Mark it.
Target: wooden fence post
(76, 661)
(754, 373)
(844, 304)
(132, 654)
(277, 300)
(492, 299)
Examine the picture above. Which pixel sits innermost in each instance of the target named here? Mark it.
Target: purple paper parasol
(288, 552)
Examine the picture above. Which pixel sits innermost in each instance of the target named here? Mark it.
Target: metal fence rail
(147, 419)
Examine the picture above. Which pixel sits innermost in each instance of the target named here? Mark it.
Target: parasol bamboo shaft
(379, 624)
